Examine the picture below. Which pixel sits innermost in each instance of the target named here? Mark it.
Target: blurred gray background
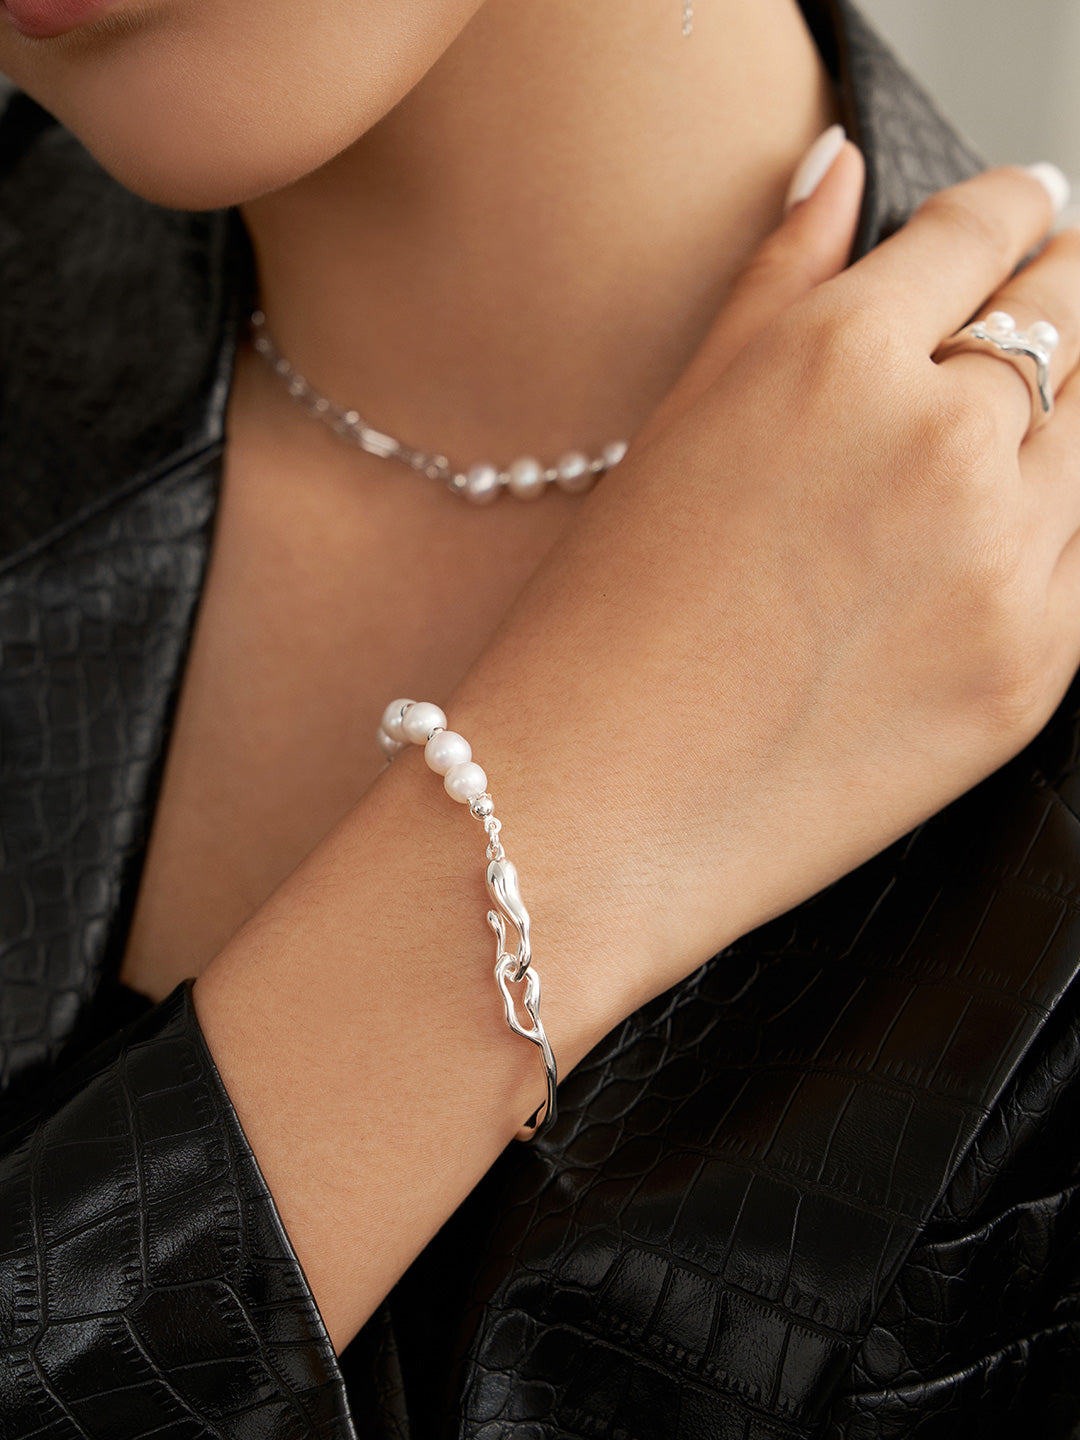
(1006, 72)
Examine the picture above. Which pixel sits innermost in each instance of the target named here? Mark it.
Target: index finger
(959, 247)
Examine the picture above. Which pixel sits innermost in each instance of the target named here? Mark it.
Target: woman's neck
(525, 252)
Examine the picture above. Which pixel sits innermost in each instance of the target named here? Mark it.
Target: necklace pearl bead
(526, 478)
(482, 484)
(574, 473)
(614, 453)
(391, 720)
(446, 749)
(420, 720)
(465, 782)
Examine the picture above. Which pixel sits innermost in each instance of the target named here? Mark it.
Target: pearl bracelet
(450, 755)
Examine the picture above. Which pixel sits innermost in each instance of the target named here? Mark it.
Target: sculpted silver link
(502, 882)
(513, 967)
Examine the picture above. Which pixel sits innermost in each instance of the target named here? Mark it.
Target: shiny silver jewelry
(526, 478)
(688, 17)
(450, 755)
(998, 330)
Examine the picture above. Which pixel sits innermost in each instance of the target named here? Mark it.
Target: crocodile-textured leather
(826, 1189)
(149, 1285)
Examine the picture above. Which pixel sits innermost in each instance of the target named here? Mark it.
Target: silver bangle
(450, 755)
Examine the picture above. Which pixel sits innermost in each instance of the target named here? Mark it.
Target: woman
(829, 592)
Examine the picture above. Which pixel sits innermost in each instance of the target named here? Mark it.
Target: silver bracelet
(450, 755)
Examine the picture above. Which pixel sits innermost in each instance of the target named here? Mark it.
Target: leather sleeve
(980, 1333)
(147, 1286)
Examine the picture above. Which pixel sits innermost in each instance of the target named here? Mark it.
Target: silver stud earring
(688, 17)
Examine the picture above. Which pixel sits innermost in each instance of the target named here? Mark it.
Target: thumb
(812, 244)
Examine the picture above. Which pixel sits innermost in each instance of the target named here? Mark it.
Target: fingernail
(815, 165)
(1054, 181)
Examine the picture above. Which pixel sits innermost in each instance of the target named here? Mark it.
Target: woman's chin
(198, 157)
(197, 178)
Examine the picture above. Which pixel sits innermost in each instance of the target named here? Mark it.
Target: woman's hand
(831, 588)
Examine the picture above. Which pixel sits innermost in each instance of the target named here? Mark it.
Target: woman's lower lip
(43, 19)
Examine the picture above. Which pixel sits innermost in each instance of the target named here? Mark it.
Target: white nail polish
(1054, 181)
(815, 165)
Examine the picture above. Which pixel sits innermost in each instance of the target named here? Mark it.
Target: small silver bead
(482, 806)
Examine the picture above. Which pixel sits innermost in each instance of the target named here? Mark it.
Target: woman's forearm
(358, 1028)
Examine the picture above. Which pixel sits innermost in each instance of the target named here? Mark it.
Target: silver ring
(1037, 343)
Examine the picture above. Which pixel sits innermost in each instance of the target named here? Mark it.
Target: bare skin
(830, 570)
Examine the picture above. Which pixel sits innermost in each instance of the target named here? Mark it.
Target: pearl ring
(1037, 343)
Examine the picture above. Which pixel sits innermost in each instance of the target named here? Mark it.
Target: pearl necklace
(526, 478)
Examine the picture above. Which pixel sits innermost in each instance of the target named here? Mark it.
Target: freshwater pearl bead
(420, 720)
(614, 452)
(574, 474)
(387, 744)
(1045, 335)
(482, 484)
(999, 322)
(391, 720)
(445, 749)
(465, 782)
(526, 478)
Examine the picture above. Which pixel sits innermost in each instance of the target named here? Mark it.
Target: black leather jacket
(826, 1187)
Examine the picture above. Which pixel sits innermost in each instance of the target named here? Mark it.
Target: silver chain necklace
(526, 478)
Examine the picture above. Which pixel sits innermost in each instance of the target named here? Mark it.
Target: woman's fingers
(812, 244)
(1050, 465)
(1047, 290)
(961, 245)
(1063, 608)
